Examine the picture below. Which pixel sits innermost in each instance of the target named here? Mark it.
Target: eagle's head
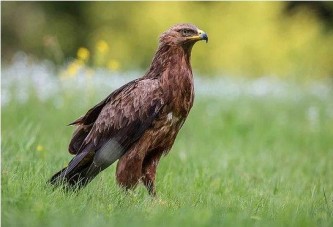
(183, 35)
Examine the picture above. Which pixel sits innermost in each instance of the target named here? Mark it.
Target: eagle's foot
(150, 187)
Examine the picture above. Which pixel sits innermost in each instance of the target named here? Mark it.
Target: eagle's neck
(170, 56)
(171, 66)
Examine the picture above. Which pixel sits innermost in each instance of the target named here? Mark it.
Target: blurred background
(257, 146)
(251, 39)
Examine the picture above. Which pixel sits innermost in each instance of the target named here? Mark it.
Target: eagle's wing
(123, 116)
(108, 130)
(85, 123)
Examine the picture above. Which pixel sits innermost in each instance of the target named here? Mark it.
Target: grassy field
(244, 161)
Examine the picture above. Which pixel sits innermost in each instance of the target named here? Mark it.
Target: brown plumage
(138, 122)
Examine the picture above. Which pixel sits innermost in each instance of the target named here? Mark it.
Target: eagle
(138, 122)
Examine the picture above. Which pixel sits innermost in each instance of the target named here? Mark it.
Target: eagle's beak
(203, 35)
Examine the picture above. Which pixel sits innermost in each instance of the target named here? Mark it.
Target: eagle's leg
(128, 171)
(149, 170)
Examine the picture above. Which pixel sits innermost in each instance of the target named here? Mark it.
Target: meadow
(250, 154)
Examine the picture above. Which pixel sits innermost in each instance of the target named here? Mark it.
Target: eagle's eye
(186, 32)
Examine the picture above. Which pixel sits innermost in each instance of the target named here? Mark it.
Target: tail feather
(75, 180)
(75, 174)
(85, 166)
(55, 178)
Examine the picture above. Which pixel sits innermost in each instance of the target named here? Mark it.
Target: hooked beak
(203, 35)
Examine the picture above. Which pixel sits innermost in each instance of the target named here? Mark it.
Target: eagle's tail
(86, 165)
(71, 181)
(77, 174)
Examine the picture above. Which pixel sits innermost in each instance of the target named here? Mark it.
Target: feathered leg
(128, 171)
(149, 171)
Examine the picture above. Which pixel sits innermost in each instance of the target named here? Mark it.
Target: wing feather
(123, 116)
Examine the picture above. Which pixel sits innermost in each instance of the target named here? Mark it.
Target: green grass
(245, 161)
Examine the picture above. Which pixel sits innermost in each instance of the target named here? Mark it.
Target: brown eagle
(139, 121)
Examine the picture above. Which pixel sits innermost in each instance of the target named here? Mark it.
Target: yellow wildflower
(39, 148)
(83, 54)
(102, 46)
(73, 68)
(113, 64)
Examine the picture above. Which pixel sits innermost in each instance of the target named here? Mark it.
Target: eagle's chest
(173, 121)
(165, 130)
